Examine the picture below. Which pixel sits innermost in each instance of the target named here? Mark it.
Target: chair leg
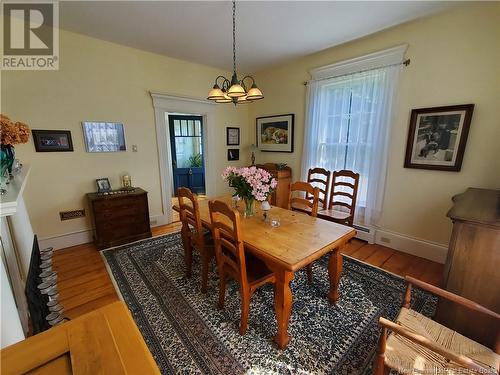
(310, 273)
(205, 262)
(245, 309)
(188, 258)
(222, 289)
(379, 365)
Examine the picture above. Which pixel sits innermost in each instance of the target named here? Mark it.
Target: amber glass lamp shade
(224, 99)
(215, 93)
(235, 90)
(254, 93)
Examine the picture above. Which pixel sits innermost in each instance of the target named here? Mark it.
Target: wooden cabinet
(472, 264)
(119, 218)
(284, 177)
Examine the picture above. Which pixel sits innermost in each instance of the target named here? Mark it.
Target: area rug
(188, 334)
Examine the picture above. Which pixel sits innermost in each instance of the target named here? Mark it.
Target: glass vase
(249, 207)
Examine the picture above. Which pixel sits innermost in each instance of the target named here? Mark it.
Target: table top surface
(299, 240)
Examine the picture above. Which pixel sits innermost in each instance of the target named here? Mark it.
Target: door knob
(190, 171)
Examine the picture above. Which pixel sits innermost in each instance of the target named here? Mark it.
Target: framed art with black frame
(437, 137)
(233, 154)
(232, 136)
(275, 133)
(52, 140)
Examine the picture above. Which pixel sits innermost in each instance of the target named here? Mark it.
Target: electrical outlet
(385, 239)
(134, 148)
(68, 215)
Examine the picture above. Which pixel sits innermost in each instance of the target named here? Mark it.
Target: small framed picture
(437, 137)
(275, 133)
(104, 136)
(233, 136)
(233, 154)
(103, 185)
(52, 140)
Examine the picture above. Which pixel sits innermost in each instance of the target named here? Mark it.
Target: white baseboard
(411, 245)
(62, 241)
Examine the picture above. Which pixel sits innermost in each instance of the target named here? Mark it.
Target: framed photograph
(233, 154)
(232, 136)
(52, 140)
(104, 136)
(103, 185)
(275, 133)
(437, 137)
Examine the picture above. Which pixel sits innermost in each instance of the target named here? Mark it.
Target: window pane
(197, 128)
(188, 152)
(177, 128)
(190, 128)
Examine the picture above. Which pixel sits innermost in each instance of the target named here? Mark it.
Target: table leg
(334, 271)
(282, 305)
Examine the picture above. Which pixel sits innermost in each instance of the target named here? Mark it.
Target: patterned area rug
(188, 334)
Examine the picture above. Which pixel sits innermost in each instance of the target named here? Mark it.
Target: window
(348, 121)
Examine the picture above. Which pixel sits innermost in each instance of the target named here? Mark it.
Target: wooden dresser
(104, 341)
(119, 218)
(284, 177)
(472, 267)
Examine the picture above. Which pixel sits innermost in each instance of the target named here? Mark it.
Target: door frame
(163, 105)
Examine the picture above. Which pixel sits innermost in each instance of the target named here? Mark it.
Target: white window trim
(394, 55)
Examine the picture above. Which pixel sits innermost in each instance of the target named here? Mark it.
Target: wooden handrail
(452, 297)
(425, 342)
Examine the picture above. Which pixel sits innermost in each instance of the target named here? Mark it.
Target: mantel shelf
(9, 201)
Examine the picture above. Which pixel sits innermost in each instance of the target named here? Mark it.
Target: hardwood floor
(84, 284)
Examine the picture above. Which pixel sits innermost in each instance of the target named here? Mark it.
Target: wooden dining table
(297, 242)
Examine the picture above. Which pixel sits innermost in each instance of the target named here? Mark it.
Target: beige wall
(98, 80)
(455, 59)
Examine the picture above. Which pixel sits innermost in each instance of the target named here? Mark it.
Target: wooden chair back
(344, 184)
(189, 213)
(320, 178)
(307, 188)
(229, 248)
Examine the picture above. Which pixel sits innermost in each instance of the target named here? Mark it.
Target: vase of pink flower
(250, 184)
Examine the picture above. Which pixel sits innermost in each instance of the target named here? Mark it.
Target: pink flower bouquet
(250, 182)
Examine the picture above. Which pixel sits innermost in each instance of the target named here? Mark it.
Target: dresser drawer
(122, 203)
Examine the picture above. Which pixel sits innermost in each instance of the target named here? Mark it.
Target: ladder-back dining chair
(343, 195)
(418, 344)
(194, 236)
(320, 178)
(301, 203)
(309, 206)
(233, 261)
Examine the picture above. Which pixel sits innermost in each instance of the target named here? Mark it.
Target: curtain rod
(405, 63)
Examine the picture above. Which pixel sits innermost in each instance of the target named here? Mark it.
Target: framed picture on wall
(232, 136)
(275, 133)
(437, 137)
(52, 140)
(233, 154)
(104, 136)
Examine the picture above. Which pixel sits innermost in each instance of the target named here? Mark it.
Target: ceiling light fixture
(234, 91)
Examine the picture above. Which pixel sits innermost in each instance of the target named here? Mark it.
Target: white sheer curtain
(347, 126)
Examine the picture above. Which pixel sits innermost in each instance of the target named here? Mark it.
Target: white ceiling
(268, 32)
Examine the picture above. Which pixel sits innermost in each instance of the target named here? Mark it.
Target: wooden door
(186, 142)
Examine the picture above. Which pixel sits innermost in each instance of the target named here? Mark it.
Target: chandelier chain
(234, 36)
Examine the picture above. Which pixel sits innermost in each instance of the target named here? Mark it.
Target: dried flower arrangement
(13, 133)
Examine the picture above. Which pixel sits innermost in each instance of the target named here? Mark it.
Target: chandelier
(234, 91)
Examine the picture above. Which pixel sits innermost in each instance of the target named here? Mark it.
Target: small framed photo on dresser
(232, 136)
(103, 185)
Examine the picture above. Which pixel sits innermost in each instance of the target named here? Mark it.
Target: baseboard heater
(365, 233)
